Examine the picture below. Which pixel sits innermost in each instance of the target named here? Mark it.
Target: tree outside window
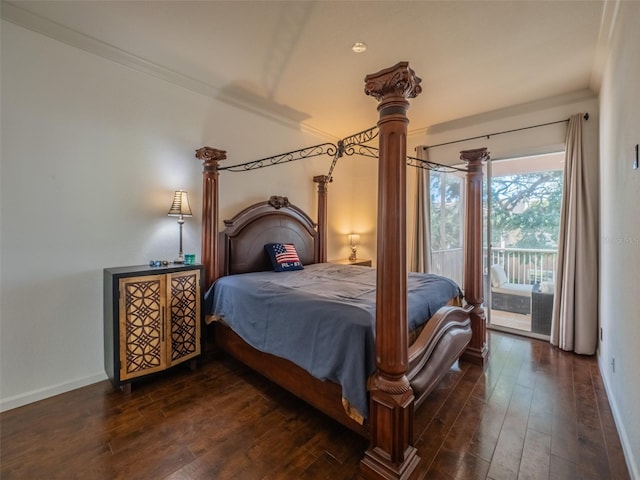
(446, 211)
(525, 210)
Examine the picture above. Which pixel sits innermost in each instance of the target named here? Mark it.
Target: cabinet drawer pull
(163, 323)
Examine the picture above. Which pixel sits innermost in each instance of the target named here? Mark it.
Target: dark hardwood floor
(533, 413)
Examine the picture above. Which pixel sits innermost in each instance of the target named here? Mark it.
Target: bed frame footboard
(439, 345)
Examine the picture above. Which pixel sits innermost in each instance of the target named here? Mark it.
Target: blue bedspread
(321, 318)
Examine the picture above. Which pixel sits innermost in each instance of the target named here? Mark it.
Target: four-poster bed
(405, 372)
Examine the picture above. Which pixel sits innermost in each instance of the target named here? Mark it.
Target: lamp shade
(180, 205)
(354, 239)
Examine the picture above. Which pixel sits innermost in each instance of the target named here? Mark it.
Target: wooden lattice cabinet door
(143, 314)
(184, 316)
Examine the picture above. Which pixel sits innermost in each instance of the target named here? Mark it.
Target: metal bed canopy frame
(355, 144)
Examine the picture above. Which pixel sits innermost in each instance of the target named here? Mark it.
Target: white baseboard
(50, 391)
(632, 462)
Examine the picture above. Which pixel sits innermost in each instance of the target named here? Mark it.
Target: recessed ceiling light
(359, 47)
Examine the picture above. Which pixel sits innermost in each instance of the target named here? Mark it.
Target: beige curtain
(421, 248)
(574, 324)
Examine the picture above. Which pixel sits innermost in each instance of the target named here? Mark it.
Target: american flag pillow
(283, 256)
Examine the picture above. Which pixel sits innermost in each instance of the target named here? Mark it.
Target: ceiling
(293, 61)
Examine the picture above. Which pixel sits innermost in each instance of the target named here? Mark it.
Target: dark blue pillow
(283, 256)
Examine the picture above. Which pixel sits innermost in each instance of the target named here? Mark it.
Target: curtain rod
(488, 135)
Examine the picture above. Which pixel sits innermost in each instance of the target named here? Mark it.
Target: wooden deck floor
(533, 413)
(511, 320)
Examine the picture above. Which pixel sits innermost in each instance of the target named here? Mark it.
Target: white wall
(91, 154)
(620, 230)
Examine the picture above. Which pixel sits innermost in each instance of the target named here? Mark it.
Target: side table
(541, 311)
(364, 262)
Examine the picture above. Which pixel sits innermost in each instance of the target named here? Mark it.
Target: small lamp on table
(354, 240)
(180, 208)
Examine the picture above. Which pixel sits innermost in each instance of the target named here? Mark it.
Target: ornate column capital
(477, 155)
(210, 157)
(397, 81)
(322, 181)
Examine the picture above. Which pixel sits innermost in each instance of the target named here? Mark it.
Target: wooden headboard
(273, 221)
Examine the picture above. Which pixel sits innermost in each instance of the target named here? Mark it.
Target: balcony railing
(526, 265)
(522, 265)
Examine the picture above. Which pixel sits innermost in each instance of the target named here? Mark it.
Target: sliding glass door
(522, 205)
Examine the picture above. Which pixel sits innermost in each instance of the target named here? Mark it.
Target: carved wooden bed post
(391, 454)
(210, 157)
(477, 351)
(322, 181)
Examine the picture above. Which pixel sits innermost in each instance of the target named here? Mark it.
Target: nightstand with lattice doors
(152, 320)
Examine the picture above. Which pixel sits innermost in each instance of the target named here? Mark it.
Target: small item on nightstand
(189, 258)
(158, 263)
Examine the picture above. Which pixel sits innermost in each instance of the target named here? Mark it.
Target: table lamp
(354, 239)
(180, 208)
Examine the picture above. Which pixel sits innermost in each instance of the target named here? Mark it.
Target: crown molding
(13, 13)
(512, 111)
(608, 20)
(23, 18)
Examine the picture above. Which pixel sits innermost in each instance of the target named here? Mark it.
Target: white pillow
(498, 277)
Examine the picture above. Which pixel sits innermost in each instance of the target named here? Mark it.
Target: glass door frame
(487, 290)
